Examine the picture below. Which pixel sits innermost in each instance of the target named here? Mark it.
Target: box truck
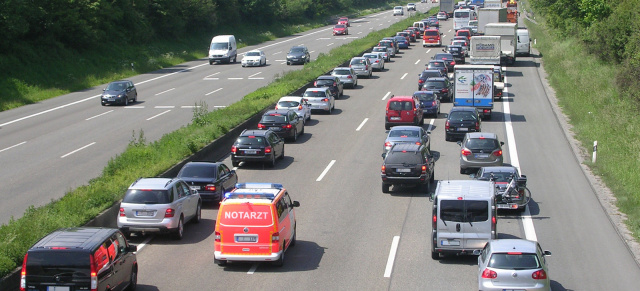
(490, 15)
(508, 39)
(447, 6)
(473, 86)
(484, 50)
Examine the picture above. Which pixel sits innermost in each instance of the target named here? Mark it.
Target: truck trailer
(473, 86)
(508, 33)
(490, 15)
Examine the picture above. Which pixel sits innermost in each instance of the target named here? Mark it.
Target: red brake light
(420, 81)
(384, 169)
(434, 103)
(299, 107)
(288, 126)
(315, 83)
(217, 236)
(23, 274)
(387, 144)
(267, 150)
(275, 237)
(335, 84)
(210, 187)
(94, 274)
(466, 152)
(489, 274)
(445, 90)
(325, 99)
(234, 149)
(170, 212)
(539, 275)
(418, 143)
(261, 126)
(446, 125)
(477, 126)
(424, 169)
(434, 222)
(122, 212)
(497, 153)
(349, 77)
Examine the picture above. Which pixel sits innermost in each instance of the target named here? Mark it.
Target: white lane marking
(359, 32)
(449, 30)
(145, 242)
(47, 111)
(323, 38)
(258, 73)
(416, 62)
(326, 170)
(210, 77)
(312, 52)
(431, 125)
(152, 117)
(164, 107)
(330, 44)
(92, 117)
(392, 256)
(281, 60)
(283, 63)
(277, 53)
(134, 107)
(527, 222)
(444, 35)
(13, 146)
(165, 91)
(362, 124)
(214, 91)
(386, 95)
(189, 106)
(235, 78)
(75, 151)
(405, 74)
(258, 78)
(253, 269)
(428, 50)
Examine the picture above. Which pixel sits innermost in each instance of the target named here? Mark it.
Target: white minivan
(223, 49)
(524, 42)
(463, 217)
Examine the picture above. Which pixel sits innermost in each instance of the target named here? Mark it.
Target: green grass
(589, 97)
(144, 159)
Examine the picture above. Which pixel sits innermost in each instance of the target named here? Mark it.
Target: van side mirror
(296, 204)
(131, 249)
(547, 253)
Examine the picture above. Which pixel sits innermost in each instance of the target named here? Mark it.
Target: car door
(180, 202)
(299, 120)
(284, 224)
(450, 223)
(191, 198)
(122, 263)
(103, 259)
(276, 143)
(332, 100)
(477, 227)
(228, 178)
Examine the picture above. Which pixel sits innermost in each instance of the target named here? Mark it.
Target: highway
(351, 236)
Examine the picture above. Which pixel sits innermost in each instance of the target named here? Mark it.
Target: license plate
(295, 60)
(251, 152)
(463, 129)
(513, 290)
(195, 187)
(507, 206)
(275, 128)
(450, 243)
(58, 288)
(144, 213)
(111, 99)
(247, 239)
(395, 118)
(402, 170)
(481, 156)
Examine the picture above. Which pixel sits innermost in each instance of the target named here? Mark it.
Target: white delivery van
(524, 42)
(223, 49)
(464, 216)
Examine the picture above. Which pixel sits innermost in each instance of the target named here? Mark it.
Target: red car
(464, 32)
(431, 37)
(344, 20)
(403, 110)
(340, 29)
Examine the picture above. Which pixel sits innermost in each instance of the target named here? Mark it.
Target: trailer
(508, 39)
(490, 15)
(447, 6)
(485, 50)
(474, 86)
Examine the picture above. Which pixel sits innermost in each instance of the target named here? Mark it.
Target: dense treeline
(81, 24)
(609, 29)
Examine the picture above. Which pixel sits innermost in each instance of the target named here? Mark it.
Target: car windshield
(296, 50)
(400, 105)
(116, 86)
(482, 144)
(462, 116)
(341, 72)
(431, 33)
(315, 94)
(434, 85)
(219, 46)
(514, 261)
(274, 118)
(135, 196)
(341, 26)
(404, 133)
(198, 171)
(250, 140)
(252, 54)
(425, 96)
(358, 62)
(288, 104)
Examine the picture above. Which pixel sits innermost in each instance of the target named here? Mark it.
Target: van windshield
(464, 210)
(219, 46)
(245, 214)
(58, 263)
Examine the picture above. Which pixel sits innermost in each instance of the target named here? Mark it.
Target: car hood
(295, 55)
(251, 58)
(113, 92)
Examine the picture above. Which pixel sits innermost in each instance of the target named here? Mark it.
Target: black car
(81, 258)
(447, 58)
(407, 164)
(286, 123)
(426, 74)
(335, 86)
(460, 120)
(438, 65)
(257, 145)
(298, 55)
(441, 86)
(119, 92)
(457, 52)
(210, 179)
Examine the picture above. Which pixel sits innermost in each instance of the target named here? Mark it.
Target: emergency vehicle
(256, 223)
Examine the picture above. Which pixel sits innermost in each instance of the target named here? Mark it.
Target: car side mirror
(431, 197)
(459, 143)
(296, 204)
(547, 253)
(384, 155)
(131, 249)
(502, 143)
(477, 252)
(472, 176)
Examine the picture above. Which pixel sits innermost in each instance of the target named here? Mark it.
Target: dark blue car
(402, 42)
(429, 101)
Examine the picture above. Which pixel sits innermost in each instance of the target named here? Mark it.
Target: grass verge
(143, 159)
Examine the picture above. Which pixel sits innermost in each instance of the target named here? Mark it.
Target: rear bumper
(251, 158)
(404, 180)
(247, 258)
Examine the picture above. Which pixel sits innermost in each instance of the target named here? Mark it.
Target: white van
(223, 49)
(464, 216)
(524, 42)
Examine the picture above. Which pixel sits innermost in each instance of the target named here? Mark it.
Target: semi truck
(474, 86)
(508, 33)
(447, 6)
(490, 15)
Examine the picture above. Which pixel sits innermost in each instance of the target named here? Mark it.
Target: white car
(411, 6)
(254, 58)
(398, 10)
(320, 99)
(297, 104)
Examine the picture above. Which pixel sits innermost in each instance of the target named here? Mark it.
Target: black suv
(84, 258)
(448, 59)
(333, 82)
(457, 52)
(257, 145)
(286, 123)
(460, 120)
(210, 179)
(426, 74)
(407, 164)
(441, 86)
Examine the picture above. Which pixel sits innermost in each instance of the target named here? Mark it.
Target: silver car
(384, 50)
(320, 99)
(362, 66)
(376, 59)
(406, 134)
(159, 205)
(297, 104)
(480, 149)
(347, 76)
(513, 264)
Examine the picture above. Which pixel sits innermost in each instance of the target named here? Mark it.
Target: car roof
(422, 92)
(357, 58)
(341, 68)
(206, 163)
(469, 189)
(317, 89)
(277, 111)
(399, 98)
(513, 245)
(463, 108)
(151, 183)
(439, 79)
(490, 135)
(325, 77)
(255, 51)
(401, 147)
(405, 127)
(290, 98)
(85, 238)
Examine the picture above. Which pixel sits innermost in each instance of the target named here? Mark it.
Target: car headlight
(304, 57)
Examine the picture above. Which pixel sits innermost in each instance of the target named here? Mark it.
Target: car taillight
(94, 274)
(387, 144)
(315, 84)
(499, 93)
(444, 90)
(418, 143)
(434, 222)
(288, 126)
(23, 274)
(349, 77)
(335, 84)
(420, 81)
(170, 212)
(489, 274)
(466, 152)
(477, 126)
(234, 149)
(493, 223)
(384, 169)
(122, 212)
(539, 275)
(210, 187)
(261, 126)
(325, 100)
(217, 236)
(497, 153)
(275, 237)
(377, 61)
(453, 63)
(434, 103)
(267, 150)
(366, 67)
(446, 125)
(299, 107)
(424, 170)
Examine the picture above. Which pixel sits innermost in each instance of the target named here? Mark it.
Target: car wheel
(243, 65)
(293, 240)
(426, 187)
(294, 138)
(235, 57)
(302, 132)
(433, 176)
(387, 126)
(210, 62)
(133, 281)
(103, 104)
(330, 109)
(220, 263)
(179, 232)
(288, 63)
(435, 255)
(385, 188)
(198, 217)
(280, 261)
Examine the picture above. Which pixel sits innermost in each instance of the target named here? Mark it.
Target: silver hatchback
(480, 149)
(376, 59)
(347, 76)
(320, 99)
(159, 205)
(513, 264)
(362, 66)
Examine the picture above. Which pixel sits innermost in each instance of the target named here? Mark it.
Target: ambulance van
(256, 223)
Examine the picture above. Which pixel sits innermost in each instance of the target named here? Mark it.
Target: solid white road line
(73, 152)
(392, 256)
(405, 74)
(428, 51)
(416, 62)
(165, 91)
(253, 269)
(214, 91)
(164, 107)
(258, 73)
(431, 125)
(13, 146)
(362, 124)
(527, 223)
(326, 170)
(47, 111)
(98, 115)
(134, 107)
(386, 95)
(145, 242)
(152, 117)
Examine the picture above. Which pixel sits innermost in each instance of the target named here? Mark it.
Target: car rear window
(358, 62)
(59, 262)
(431, 33)
(464, 210)
(146, 197)
(274, 118)
(289, 103)
(198, 171)
(324, 82)
(497, 176)
(462, 116)
(434, 84)
(404, 133)
(515, 261)
(425, 97)
(400, 105)
(428, 74)
(443, 57)
(245, 214)
(398, 157)
(436, 64)
(481, 144)
(250, 140)
(341, 72)
(314, 94)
